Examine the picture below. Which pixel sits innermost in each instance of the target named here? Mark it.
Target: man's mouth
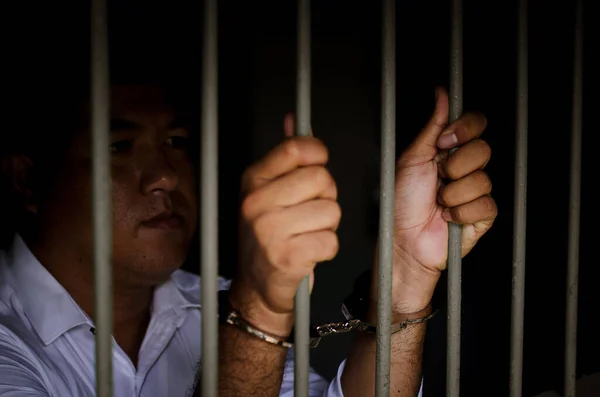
(166, 221)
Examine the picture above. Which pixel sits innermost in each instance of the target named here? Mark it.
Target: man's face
(153, 189)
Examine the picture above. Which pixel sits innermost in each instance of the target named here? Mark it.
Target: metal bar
(454, 230)
(574, 211)
(209, 205)
(386, 209)
(520, 211)
(101, 199)
(303, 128)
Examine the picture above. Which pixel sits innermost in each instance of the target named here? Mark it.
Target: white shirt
(47, 348)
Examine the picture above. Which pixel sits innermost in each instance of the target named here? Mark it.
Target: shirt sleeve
(19, 376)
(318, 386)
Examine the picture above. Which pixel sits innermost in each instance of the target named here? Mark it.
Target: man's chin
(151, 260)
(156, 243)
(149, 275)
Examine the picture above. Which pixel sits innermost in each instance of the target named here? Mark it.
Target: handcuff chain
(341, 327)
(337, 327)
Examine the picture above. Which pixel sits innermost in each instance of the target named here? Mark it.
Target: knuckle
(484, 148)
(458, 213)
(474, 121)
(490, 206)
(291, 147)
(276, 254)
(333, 189)
(321, 176)
(484, 120)
(325, 246)
(248, 206)
(328, 210)
(480, 119)
(323, 148)
(332, 245)
(483, 180)
(332, 209)
(337, 212)
(264, 226)
(327, 180)
(248, 180)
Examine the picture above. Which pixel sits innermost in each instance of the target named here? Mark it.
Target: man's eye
(121, 146)
(178, 142)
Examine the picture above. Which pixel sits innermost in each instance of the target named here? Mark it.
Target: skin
(289, 217)
(152, 173)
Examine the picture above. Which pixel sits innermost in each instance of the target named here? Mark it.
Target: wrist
(412, 284)
(252, 308)
(412, 289)
(400, 313)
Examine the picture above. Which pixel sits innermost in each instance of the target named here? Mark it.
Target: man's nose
(159, 176)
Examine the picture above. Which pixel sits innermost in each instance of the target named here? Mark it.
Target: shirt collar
(47, 305)
(171, 295)
(50, 308)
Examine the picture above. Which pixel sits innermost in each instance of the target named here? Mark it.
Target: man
(289, 221)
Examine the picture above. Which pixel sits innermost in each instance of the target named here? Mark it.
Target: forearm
(248, 365)
(358, 378)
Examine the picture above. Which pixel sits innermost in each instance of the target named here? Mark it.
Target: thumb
(424, 147)
(288, 125)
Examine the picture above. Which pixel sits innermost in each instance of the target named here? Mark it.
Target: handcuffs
(354, 310)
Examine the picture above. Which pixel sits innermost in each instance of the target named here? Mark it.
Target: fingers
(307, 217)
(438, 135)
(468, 127)
(305, 250)
(469, 157)
(290, 203)
(297, 186)
(465, 190)
(287, 156)
(424, 147)
(481, 209)
(300, 235)
(467, 197)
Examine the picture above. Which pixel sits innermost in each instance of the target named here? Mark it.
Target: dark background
(257, 50)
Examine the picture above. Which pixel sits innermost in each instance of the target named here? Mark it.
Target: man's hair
(47, 91)
(48, 83)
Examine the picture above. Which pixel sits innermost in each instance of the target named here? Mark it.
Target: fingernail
(447, 139)
(446, 215)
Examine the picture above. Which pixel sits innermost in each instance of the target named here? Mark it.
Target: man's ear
(18, 171)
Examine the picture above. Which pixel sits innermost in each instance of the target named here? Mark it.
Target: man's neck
(131, 304)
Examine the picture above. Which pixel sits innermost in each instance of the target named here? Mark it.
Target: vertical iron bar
(574, 211)
(303, 128)
(101, 199)
(209, 205)
(520, 212)
(454, 230)
(386, 209)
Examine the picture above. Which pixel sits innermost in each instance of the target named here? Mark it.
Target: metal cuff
(233, 318)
